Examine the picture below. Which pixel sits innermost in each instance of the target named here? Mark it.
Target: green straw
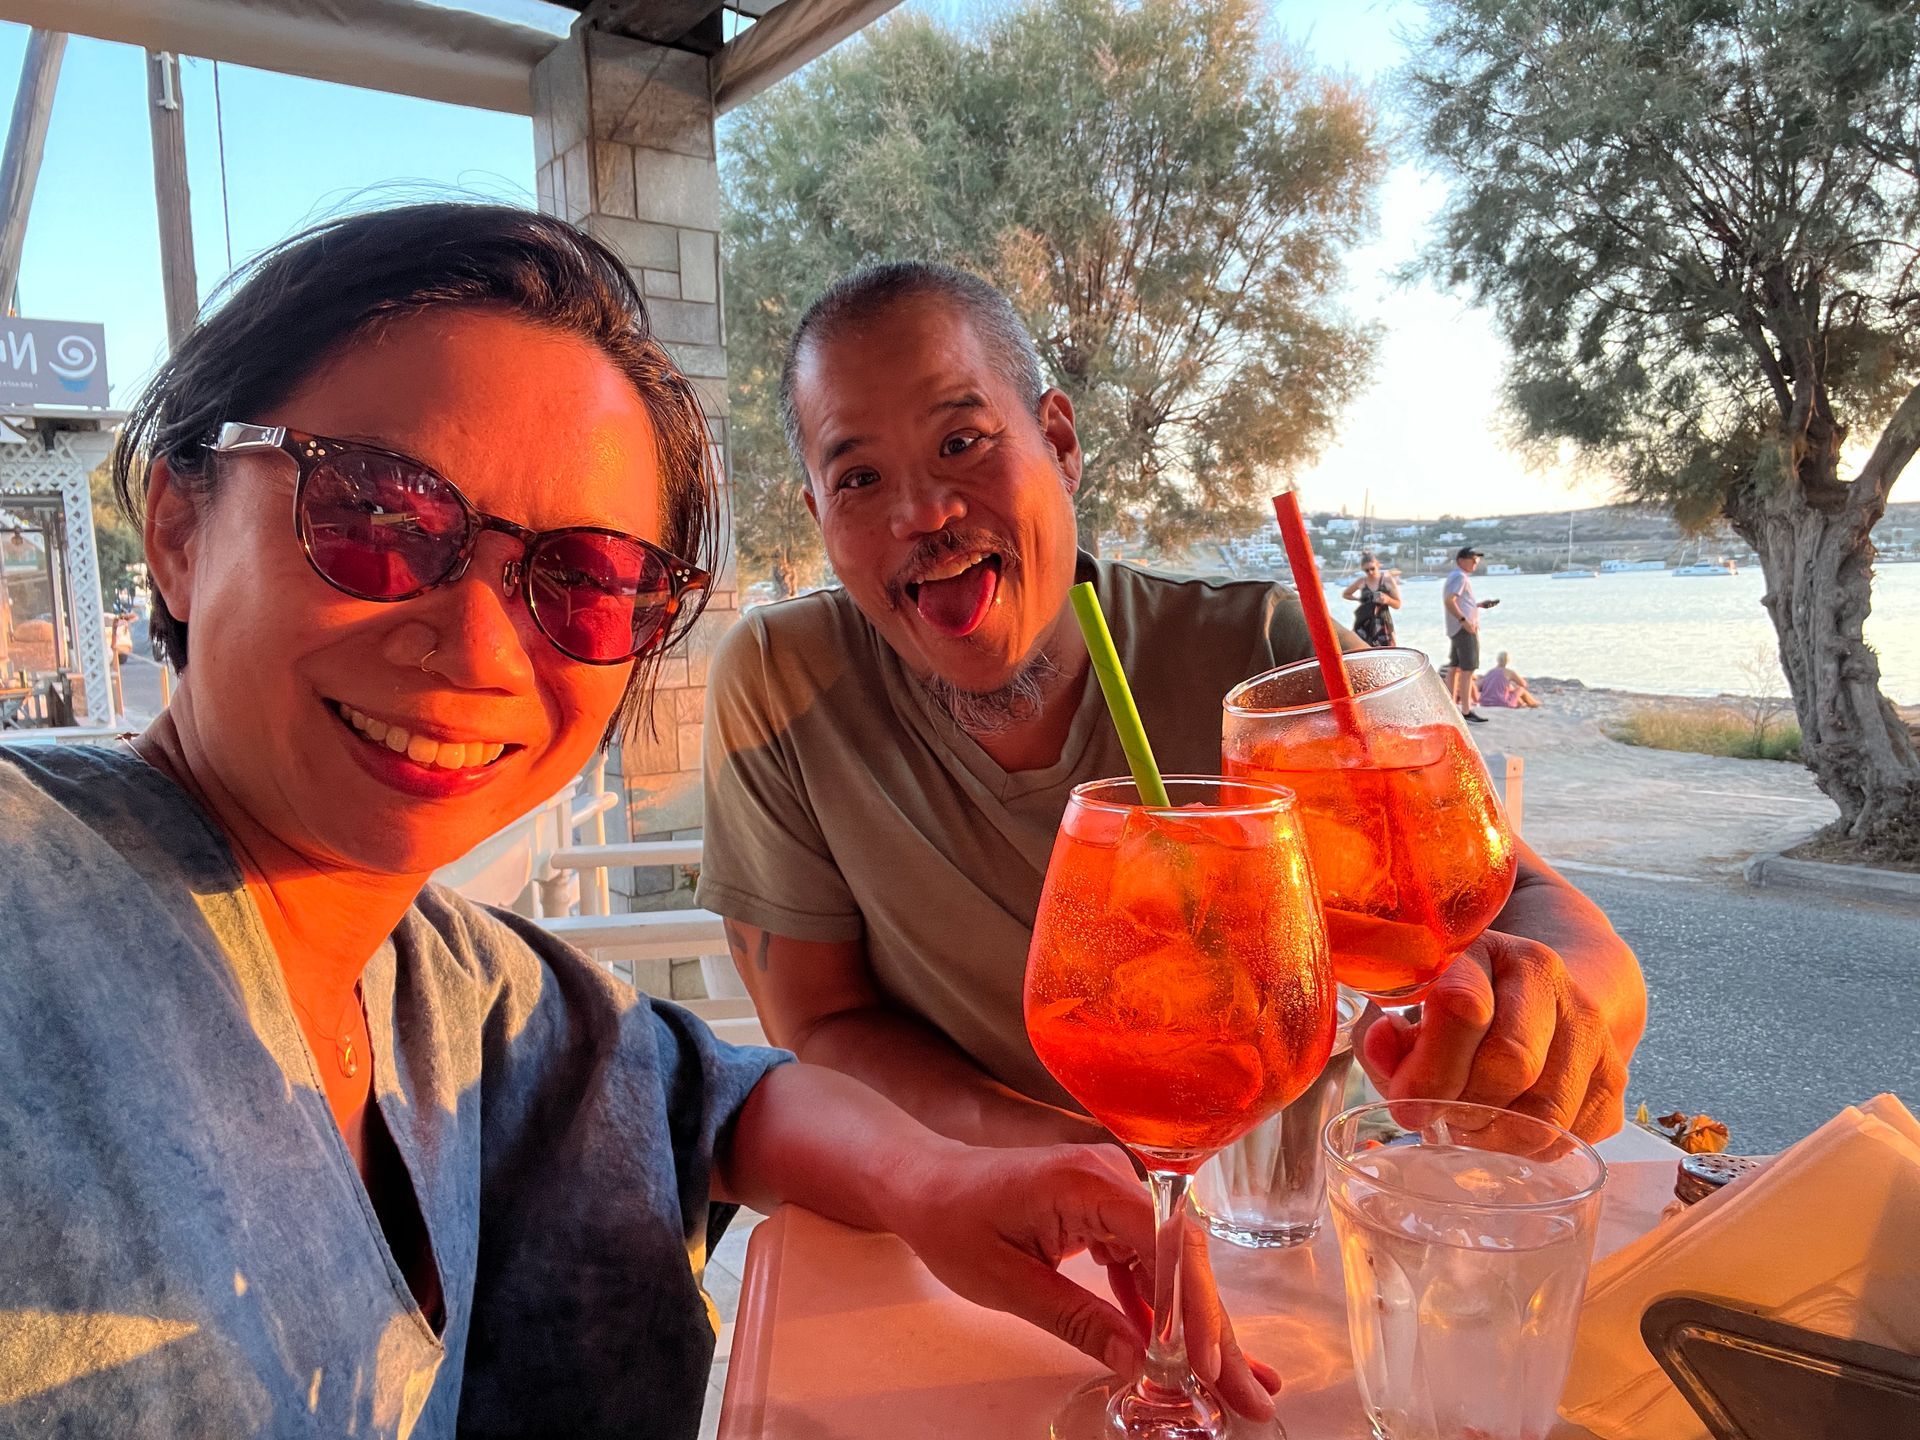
(1120, 706)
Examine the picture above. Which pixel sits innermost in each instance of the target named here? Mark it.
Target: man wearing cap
(1463, 629)
(887, 764)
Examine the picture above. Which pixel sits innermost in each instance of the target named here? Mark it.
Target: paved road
(140, 679)
(1768, 1011)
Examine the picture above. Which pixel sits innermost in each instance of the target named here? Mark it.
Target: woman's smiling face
(294, 693)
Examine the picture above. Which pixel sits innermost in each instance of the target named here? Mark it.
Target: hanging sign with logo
(52, 362)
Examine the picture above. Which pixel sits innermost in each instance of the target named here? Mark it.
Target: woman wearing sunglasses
(293, 1142)
(1379, 596)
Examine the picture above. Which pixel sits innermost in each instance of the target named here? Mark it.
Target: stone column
(623, 135)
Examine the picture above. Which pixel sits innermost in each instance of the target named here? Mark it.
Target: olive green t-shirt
(843, 804)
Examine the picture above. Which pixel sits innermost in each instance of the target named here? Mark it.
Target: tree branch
(1898, 443)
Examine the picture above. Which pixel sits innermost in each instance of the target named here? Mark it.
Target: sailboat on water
(1717, 568)
(1571, 571)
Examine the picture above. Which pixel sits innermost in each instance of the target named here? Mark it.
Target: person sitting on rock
(1505, 688)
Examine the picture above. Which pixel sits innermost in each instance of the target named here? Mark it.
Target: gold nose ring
(426, 657)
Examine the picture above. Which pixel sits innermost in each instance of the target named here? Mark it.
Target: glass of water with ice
(1465, 1233)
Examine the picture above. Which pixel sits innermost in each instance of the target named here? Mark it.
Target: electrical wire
(220, 133)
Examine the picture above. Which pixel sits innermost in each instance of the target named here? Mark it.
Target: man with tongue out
(887, 763)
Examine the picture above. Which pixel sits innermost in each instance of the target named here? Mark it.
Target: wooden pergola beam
(659, 22)
(788, 37)
(26, 143)
(408, 47)
(400, 46)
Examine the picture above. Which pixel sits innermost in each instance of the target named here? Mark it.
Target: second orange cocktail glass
(1410, 846)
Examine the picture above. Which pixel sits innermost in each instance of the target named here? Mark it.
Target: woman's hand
(995, 1225)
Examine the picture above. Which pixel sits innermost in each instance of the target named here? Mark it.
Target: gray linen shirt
(185, 1246)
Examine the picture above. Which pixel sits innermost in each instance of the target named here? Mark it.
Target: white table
(843, 1335)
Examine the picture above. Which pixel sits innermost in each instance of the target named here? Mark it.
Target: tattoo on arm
(737, 943)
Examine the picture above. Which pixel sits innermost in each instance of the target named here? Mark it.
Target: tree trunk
(1818, 562)
(786, 579)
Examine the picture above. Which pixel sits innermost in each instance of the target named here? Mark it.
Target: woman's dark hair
(289, 311)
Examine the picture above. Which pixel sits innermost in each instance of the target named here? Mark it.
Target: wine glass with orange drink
(1411, 848)
(1178, 987)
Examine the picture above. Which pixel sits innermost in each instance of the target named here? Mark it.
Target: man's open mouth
(954, 597)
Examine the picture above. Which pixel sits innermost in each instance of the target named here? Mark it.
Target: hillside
(1537, 541)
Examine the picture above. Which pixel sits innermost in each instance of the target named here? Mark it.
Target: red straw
(1313, 599)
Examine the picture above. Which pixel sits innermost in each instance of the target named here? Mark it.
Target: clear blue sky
(296, 150)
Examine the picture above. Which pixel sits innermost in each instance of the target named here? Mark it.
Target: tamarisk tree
(1167, 198)
(1696, 222)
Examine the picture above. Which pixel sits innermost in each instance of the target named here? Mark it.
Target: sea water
(1652, 631)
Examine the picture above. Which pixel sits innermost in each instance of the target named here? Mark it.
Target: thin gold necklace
(344, 1054)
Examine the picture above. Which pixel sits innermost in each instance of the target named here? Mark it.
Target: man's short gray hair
(868, 291)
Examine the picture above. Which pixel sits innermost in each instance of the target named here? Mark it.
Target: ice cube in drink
(1410, 850)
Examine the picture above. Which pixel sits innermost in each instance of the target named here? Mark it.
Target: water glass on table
(1268, 1189)
(1465, 1236)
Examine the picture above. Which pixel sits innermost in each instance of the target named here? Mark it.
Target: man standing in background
(1463, 629)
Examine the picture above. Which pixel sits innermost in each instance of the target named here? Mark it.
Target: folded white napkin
(1826, 1237)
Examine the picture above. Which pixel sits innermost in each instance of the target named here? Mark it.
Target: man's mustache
(931, 550)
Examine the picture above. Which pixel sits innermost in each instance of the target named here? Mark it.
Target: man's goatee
(994, 712)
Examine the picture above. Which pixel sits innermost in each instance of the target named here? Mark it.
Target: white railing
(61, 735)
(552, 866)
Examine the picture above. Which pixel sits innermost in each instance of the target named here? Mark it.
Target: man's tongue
(957, 606)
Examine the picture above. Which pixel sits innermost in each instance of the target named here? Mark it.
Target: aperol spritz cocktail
(1179, 987)
(1410, 846)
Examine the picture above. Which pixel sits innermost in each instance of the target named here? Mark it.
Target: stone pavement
(139, 690)
(1594, 803)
